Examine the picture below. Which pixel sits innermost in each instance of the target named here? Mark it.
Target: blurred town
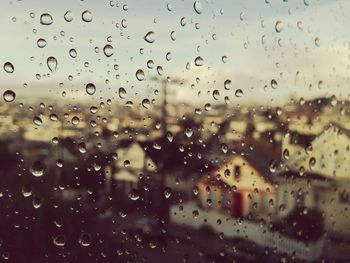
(175, 183)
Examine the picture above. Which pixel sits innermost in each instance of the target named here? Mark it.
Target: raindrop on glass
(140, 75)
(52, 64)
(279, 26)
(86, 16)
(68, 16)
(9, 95)
(197, 7)
(46, 19)
(41, 43)
(146, 103)
(8, 67)
(90, 88)
(38, 169)
(150, 37)
(199, 61)
(108, 50)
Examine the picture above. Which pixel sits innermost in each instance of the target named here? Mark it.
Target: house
(319, 178)
(241, 186)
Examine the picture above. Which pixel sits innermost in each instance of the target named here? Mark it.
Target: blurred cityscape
(175, 183)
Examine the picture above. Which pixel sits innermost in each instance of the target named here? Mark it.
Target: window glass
(174, 131)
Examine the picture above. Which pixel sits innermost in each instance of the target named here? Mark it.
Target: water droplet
(224, 148)
(286, 154)
(73, 53)
(279, 26)
(86, 16)
(199, 61)
(216, 94)
(140, 75)
(188, 132)
(85, 239)
(195, 190)
(239, 93)
(134, 195)
(169, 7)
(68, 16)
(312, 163)
(169, 136)
(37, 121)
(146, 103)
(52, 64)
(59, 240)
(41, 43)
(317, 41)
(53, 117)
(108, 50)
(8, 67)
(122, 93)
(9, 95)
(150, 64)
(195, 213)
(46, 19)
(167, 192)
(197, 7)
(82, 147)
(38, 168)
(90, 88)
(150, 37)
(27, 190)
(227, 84)
(274, 84)
(183, 21)
(75, 120)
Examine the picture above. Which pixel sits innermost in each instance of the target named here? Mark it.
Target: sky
(309, 57)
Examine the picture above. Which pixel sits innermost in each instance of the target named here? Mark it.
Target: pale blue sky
(244, 32)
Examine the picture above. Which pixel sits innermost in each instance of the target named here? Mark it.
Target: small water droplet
(68, 16)
(122, 93)
(317, 41)
(279, 26)
(146, 103)
(90, 88)
(73, 53)
(134, 195)
(216, 94)
(8, 67)
(239, 93)
(59, 240)
(75, 120)
(197, 7)
(85, 239)
(199, 61)
(167, 192)
(150, 37)
(41, 43)
(274, 84)
(312, 163)
(52, 64)
(183, 21)
(140, 75)
(82, 147)
(37, 121)
(188, 132)
(46, 19)
(9, 95)
(108, 50)
(38, 169)
(169, 136)
(86, 16)
(227, 84)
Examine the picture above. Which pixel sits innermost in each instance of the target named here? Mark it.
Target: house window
(237, 172)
